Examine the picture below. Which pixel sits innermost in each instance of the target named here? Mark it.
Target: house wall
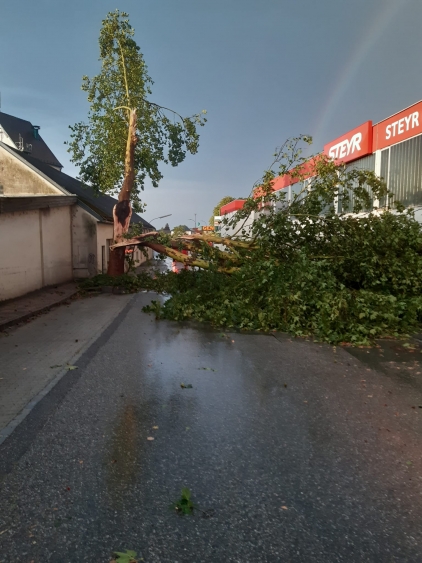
(35, 250)
(57, 244)
(17, 178)
(104, 240)
(84, 251)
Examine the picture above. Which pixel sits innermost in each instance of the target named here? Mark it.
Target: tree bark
(173, 252)
(122, 211)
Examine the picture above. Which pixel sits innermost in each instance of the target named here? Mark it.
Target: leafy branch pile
(302, 266)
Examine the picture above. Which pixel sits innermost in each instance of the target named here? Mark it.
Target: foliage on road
(303, 268)
(127, 556)
(184, 505)
(130, 283)
(340, 262)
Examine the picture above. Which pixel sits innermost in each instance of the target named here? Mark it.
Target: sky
(265, 70)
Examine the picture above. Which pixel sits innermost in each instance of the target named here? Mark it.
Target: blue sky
(264, 70)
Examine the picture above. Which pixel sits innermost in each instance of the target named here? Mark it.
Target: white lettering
(332, 153)
(394, 125)
(397, 128)
(346, 147)
(356, 140)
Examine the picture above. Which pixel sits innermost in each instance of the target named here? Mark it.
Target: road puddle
(123, 461)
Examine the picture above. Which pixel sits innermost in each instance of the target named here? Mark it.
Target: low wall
(35, 250)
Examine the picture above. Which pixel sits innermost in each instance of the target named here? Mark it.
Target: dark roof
(101, 205)
(15, 127)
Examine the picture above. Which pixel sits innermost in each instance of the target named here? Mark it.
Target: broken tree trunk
(172, 252)
(122, 211)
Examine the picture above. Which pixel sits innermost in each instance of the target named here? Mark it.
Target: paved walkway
(37, 354)
(295, 451)
(22, 308)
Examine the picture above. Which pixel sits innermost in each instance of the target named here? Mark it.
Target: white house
(53, 229)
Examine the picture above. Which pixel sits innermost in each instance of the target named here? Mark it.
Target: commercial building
(391, 148)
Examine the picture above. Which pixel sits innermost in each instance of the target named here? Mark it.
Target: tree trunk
(122, 211)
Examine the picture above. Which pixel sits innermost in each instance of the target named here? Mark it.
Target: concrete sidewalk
(35, 356)
(22, 308)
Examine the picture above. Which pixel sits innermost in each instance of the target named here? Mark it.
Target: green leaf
(127, 556)
(184, 505)
(186, 494)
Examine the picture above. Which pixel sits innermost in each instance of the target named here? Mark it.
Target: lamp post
(204, 222)
(162, 217)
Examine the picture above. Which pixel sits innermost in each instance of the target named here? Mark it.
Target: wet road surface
(295, 451)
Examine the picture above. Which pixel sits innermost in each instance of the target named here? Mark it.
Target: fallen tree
(341, 261)
(127, 136)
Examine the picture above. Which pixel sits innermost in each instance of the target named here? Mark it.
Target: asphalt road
(293, 452)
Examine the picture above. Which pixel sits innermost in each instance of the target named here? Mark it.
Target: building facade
(53, 229)
(391, 148)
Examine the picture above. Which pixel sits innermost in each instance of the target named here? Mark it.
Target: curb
(7, 430)
(26, 316)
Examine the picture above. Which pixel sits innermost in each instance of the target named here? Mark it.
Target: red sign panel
(352, 145)
(232, 206)
(298, 174)
(399, 127)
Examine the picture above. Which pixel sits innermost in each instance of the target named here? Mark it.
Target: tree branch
(124, 74)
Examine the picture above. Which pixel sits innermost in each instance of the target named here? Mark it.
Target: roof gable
(100, 204)
(23, 133)
(19, 178)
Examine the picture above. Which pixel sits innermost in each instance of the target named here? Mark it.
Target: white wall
(35, 250)
(57, 244)
(104, 239)
(19, 179)
(85, 253)
(243, 225)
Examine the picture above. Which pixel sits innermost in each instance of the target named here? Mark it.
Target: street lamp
(162, 217)
(195, 221)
